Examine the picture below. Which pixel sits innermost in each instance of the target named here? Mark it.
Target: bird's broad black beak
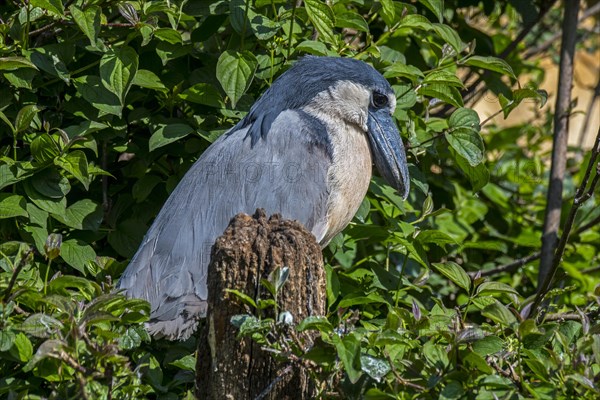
(388, 150)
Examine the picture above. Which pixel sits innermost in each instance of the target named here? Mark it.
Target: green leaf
(436, 237)
(351, 20)
(376, 368)
(44, 148)
(53, 6)
(88, 21)
(388, 12)
(488, 345)
(464, 135)
(436, 7)
(12, 205)
(21, 78)
(491, 64)
(464, 118)
(15, 62)
(203, 93)
(76, 164)
(312, 47)
(406, 97)
(354, 299)
(50, 348)
(446, 93)
(7, 338)
(487, 288)
(88, 289)
(250, 325)
(278, 277)
(318, 323)
(475, 360)
(166, 134)
(133, 337)
(499, 313)
(148, 79)
(50, 183)
(583, 380)
(144, 186)
(126, 237)
(83, 214)
(478, 176)
(22, 348)
(348, 349)
(117, 70)
(416, 21)
(263, 27)
(168, 35)
(244, 298)
(55, 206)
(4, 118)
(322, 17)
(518, 96)
(91, 89)
(450, 36)
(40, 325)
(235, 71)
(37, 216)
(442, 78)
(77, 254)
(363, 210)
(25, 116)
(187, 363)
(52, 59)
(452, 390)
(455, 273)
(403, 70)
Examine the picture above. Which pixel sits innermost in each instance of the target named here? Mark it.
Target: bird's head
(353, 91)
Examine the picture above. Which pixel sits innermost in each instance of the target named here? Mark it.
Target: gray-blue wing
(285, 173)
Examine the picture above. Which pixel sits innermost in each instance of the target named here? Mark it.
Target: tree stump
(250, 248)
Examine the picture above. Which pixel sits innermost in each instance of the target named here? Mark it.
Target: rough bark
(561, 136)
(250, 248)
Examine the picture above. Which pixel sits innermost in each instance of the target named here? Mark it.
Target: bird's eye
(379, 100)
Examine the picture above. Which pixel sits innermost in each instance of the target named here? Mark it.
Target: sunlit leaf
(322, 17)
(235, 71)
(455, 273)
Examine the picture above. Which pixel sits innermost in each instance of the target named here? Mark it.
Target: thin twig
(583, 193)
(472, 89)
(590, 270)
(43, 29)
(512, 266)
(528, 53)
(269, 388)
(399, 378)
(16, 272)
(570, 316)
(589, 225)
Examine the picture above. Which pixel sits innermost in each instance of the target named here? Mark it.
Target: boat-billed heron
(305, 150)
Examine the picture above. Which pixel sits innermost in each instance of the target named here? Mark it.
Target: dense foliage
(106, 104)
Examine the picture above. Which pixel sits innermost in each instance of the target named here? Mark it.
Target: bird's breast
(348, 177)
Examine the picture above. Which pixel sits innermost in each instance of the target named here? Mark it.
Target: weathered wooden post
(250, 248)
